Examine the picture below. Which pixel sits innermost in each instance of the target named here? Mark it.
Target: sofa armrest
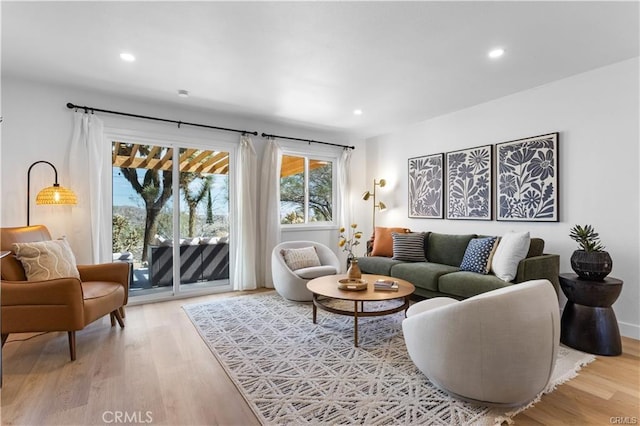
(52, 305)
(369, 246)
(546, 266)
(61, 291)
(117, 272)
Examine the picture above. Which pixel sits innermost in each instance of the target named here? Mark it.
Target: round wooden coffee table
(324, 288)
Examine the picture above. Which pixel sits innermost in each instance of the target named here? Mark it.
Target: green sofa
(440, 275)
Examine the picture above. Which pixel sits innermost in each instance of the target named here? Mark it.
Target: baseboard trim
(629, 330)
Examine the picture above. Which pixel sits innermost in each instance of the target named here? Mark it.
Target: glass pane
(204, 218)
(292, 190)
(320, 191)
(142, 214)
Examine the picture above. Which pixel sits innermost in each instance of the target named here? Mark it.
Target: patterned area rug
(292, 371)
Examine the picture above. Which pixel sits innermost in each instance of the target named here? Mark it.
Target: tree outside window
(306, 190)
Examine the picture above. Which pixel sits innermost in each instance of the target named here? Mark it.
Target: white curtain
(269, 208)
(244, 269)
(91, 218)
(344, 199)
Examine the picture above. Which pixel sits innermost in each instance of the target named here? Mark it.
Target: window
(306, 190)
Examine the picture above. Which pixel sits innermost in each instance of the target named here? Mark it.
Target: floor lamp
(379, 205)
(51, 195)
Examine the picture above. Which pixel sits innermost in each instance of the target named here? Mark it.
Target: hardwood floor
(159, 371)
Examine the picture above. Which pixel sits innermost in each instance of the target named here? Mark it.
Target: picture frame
(426, 186)
(527, 179)
(470, 183)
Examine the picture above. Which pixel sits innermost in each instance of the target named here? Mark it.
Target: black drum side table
(588, 321)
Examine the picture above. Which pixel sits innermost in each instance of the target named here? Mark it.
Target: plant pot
(591, 266)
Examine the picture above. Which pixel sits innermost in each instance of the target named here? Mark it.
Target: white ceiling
(313, 63)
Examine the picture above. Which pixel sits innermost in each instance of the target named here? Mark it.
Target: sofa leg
(112, 316)
(4, 338)
(116, 314)
(72, 344)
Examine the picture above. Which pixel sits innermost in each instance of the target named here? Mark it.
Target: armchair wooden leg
(118, 316)
(113, 319)
(4, 338)
(72, 344)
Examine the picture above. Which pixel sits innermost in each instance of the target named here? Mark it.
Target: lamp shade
(382, 206)
(56, 194)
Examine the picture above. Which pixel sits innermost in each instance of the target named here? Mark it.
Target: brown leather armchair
(64, 304)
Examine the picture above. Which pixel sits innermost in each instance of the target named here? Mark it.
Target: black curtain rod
(265, 135)
(179, 123)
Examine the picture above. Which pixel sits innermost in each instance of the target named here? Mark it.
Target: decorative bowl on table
(352, 284)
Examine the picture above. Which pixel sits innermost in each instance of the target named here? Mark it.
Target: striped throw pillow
(408, 247)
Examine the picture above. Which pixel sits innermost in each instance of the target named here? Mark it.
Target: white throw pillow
(301, 257)
(46, 260)
(512, 248)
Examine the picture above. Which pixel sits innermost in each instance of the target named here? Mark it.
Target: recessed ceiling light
(496, 53)
(357, 112)
(128, 57)
(183, 93)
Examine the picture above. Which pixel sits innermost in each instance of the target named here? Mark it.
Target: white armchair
(292, 285)
(497, 348)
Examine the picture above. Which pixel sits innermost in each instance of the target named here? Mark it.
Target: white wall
(597, 115)
(37, 126)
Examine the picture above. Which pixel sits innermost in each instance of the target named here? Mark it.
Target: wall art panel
(469, 183)
(527, 179)
(426, 186)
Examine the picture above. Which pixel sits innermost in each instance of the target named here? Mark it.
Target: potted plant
(590, 261)
(348, 242)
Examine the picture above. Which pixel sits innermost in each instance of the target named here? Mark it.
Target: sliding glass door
(174, 244)
(204, 218)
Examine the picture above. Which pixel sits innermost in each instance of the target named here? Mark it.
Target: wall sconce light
(372, 194)
(51, 195)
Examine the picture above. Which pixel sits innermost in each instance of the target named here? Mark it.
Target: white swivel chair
(497, 348)
(292, 285)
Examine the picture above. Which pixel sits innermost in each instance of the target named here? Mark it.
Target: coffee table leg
(355, 323)
(315, 308)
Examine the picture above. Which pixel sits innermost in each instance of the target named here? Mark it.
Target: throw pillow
(513, 247)
(383, 242)
(478, 254)
(408, 247)
(299, 258)
(46, 260)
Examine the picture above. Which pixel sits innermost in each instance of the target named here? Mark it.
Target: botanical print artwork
(528, 179)
(425, 186)
(469, 183)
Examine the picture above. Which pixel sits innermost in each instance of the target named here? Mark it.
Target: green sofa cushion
(447, 249)
(467, 284)
(377, 265)
(422, 274)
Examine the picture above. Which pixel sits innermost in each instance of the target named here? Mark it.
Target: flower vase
(354, 272)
